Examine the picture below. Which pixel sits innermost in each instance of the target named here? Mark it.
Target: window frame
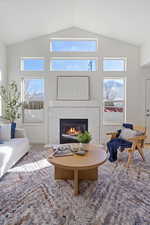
(1, 100)
(31, 71)
(106, 123)
(73, 58)
(115, 58)
(73, 39)
(23, 78)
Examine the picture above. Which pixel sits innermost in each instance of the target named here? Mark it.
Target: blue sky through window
(73, 65)
(34, 89)
(114, 89)
(73, 45)
(32, 64)
(113, 65)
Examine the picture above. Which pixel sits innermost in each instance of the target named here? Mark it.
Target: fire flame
(73, 131)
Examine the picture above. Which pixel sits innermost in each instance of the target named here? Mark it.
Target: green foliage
(84, 137)
(11, 98)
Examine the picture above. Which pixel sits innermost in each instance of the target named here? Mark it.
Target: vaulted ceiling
(124, 20)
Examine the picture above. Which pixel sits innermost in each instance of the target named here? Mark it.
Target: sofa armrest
(20, 133)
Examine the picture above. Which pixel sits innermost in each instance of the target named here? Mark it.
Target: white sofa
(13, 150)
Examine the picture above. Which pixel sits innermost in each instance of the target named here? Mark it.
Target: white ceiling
(126, 20)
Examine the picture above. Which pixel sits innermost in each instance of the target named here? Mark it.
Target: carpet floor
(29, 195)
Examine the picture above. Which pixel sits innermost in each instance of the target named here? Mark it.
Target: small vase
(84, 146)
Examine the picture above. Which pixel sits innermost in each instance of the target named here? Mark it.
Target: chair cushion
(127, 133)
(139, 133)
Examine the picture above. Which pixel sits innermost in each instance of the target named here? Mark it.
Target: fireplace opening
(70, 128)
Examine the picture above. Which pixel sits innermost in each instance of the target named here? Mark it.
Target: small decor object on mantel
(12, 104)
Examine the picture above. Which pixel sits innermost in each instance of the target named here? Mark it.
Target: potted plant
(84, 138)
(12, 104)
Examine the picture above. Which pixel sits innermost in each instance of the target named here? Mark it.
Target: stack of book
(62, 150)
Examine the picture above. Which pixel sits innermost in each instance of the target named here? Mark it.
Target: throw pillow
(5, 132)
(139, 133)
(127, 133)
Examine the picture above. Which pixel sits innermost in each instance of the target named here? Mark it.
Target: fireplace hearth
(70, 128)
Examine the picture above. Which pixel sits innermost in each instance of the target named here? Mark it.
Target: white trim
(32, 57)
(115, 58)
(146, 97)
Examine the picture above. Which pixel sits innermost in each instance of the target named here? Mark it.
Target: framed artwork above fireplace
(73, 88)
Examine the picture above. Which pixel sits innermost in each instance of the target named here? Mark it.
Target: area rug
(29, 195)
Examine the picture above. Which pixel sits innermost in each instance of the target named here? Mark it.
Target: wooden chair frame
(137, 143)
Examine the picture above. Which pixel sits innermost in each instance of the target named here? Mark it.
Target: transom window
(73, 45)
(75, 64)
(113, 100)
(114, 64)
(32, 64)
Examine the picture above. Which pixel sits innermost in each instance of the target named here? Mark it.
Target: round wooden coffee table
(79, 167)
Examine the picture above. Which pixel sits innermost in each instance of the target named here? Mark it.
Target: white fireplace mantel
(83, 104)
(72, 109)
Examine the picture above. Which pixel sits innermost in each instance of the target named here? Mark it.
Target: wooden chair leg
(140, 150)
(130, 158)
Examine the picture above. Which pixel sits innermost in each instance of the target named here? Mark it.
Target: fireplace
(70, 128)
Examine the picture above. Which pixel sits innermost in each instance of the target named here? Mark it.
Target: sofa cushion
(5, 132)
(11, 152)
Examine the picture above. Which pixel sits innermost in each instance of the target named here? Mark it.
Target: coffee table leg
(76, 182)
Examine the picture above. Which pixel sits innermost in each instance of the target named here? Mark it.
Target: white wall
(3, 70)
(3, 62)
(107, 48)
(145, 54)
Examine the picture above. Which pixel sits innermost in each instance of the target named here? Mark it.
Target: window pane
(113, 65)
(113, 113)
(113, 89)
(33, 100)
(113, 96)
(73, 45)
(73, 65)
(0, 96)
(0, 106)
(32, 64)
